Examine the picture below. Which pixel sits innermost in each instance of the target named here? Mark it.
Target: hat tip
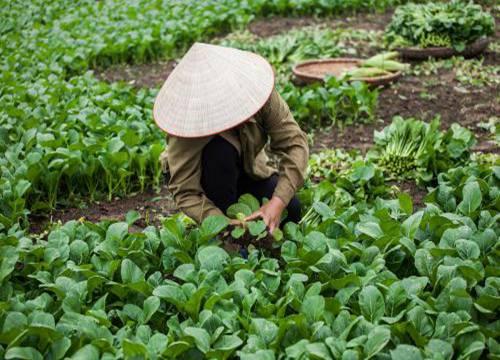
(200, 44)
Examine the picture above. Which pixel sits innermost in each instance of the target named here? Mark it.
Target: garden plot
(397, 254)
(459, 91)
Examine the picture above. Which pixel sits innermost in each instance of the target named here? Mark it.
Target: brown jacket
(275, 122)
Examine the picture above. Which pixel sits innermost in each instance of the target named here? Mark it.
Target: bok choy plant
(411, 148)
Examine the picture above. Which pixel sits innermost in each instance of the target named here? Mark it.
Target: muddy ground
(421, 97)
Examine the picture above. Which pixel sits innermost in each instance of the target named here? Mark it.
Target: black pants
(223, 179)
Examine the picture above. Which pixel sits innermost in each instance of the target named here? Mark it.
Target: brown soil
(423, 98)
(150, 205)
(416, 192)
(278, 24)
(141, 76)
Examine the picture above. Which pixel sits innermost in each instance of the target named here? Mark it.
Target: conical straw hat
(212, 89)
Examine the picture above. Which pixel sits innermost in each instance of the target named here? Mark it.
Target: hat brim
(211, 90)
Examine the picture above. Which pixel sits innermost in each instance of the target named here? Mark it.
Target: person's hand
(270, 213)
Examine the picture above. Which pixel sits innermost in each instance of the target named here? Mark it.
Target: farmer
(219, 108)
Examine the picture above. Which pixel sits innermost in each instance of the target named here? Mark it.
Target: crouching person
(220, 110)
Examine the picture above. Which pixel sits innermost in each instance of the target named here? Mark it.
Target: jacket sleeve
(289, 142)
(184, 162)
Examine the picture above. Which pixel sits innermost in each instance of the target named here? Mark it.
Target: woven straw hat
(212, 89)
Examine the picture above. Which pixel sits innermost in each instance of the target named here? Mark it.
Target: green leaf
(117, 231)
(420, 321)
(371, 229)
(264, 329)
(250, 201)
(59, 348)
(371, 303)
(350, 355)
(192, 306)
(212, 258)
(256, 227)
(171, 293)
(336, 346)
(425, 262)
(297, 350)
(14, 321)
(318, 351)
(405, 203)
(331, 263)
(21, 187)
(8, 262)
(324, 210)
(313, 307)
(213, 225)
(414, 285)
(186, 272)
(438, 347)
(238, 232)
(238, 208)
(228, 343)
(132, 216)
(258, 355)
(201, 338)
(363, 172)
(411, 224)
(134, 349)
(78, 250)
(151, 305)
(473, 351)
(472, 198)
(26, 353)
(158, 343)
(406, 352)
(130, 272)
(88, 352)
(377, 339)
(467, 249)
(278, 234)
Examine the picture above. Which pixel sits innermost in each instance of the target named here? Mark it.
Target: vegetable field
(397, 255)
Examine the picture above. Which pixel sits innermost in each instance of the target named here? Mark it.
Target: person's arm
(290, 143)
(184, 162)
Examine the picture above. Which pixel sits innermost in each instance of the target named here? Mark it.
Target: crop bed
(396, 257)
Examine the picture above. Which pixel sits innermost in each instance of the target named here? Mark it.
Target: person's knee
(294, 210)
(219, 173)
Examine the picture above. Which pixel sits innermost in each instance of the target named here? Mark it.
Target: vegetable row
(375, 278)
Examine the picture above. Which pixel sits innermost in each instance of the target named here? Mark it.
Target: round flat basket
(316, 70)
(471, 50)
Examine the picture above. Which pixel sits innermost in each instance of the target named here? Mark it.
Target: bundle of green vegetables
(411, 148)
(408, 145)
(441, 24)
(378, 65)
